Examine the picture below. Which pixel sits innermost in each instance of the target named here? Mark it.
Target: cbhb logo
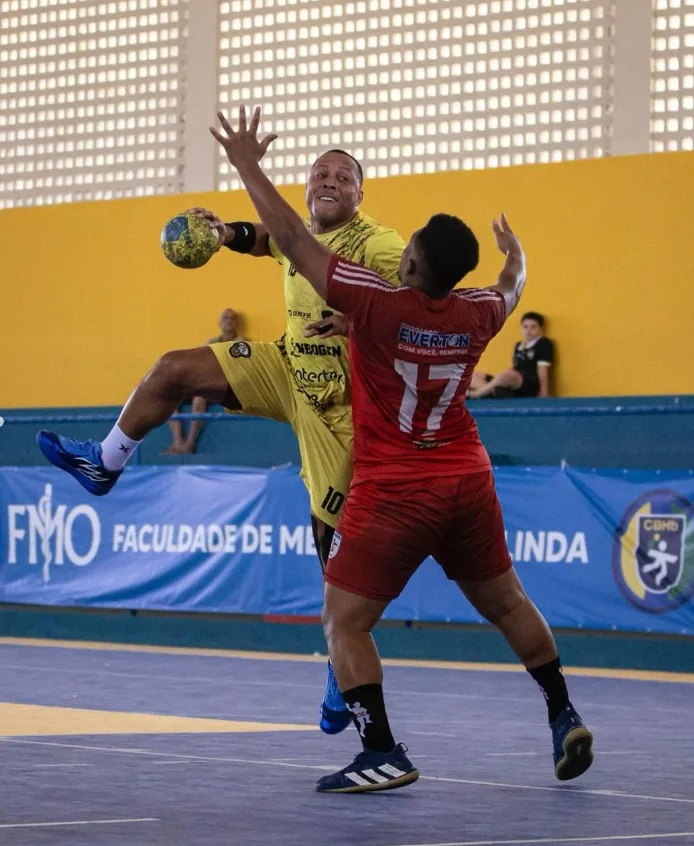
(56, 533)
(653, 560)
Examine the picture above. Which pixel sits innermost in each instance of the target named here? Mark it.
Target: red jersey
(411, 362)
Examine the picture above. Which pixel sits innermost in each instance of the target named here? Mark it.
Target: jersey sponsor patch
(433, 339)
(320, 377)
(335, 545)
(316, 349)
(240, 349)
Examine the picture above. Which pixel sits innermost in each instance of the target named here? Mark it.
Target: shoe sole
(401, 781)
(52, 454)
(332, 728)
(578, 754)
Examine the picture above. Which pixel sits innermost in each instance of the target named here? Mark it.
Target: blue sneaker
(81, 459)
(334, 716)
(372, 771)
(573, 745)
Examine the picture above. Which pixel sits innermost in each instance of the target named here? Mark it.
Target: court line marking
(77, 822)
(24, 720)
(272, 763)
(433, 733)
(605, 839)
(161, 755)
(592, 672)
(585, 704)
(593, 792)
(170, 763)
(41, 668)
(62, 765)
(544, 754)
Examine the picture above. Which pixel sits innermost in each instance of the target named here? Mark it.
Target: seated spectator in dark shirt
(529, 374)
(182, 444)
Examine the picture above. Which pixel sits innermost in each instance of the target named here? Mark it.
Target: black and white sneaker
(372, 771)
(572, 744)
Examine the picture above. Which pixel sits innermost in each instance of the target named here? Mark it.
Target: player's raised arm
(288, 231)
(512, 277)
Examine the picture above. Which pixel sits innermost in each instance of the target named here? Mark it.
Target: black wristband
(244, 237)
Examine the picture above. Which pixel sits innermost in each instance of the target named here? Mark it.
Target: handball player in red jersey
(423, 482)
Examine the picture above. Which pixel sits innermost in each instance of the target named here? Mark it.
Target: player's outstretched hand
(336, 324)
(242, 144)
(215, 222)
(505, 238)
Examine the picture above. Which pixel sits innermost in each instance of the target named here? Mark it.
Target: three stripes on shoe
(365, 777)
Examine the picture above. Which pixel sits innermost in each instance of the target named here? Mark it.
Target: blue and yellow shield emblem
(653, 559)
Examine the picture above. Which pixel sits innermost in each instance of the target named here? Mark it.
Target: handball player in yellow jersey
(299, 380)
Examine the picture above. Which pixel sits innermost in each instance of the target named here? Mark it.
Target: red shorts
(388, 528)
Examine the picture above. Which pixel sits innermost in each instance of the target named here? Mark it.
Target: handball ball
(188, 241)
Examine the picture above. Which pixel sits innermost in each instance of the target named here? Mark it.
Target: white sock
(117, 448)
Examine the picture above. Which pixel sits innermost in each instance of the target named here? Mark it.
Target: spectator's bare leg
(478, 381)
(177, 438)
(178, 374)
(506, 379)
(199, 406)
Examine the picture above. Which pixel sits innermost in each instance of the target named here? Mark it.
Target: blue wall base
(659, 441)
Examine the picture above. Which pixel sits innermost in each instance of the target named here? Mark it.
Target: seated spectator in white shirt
(529, 374)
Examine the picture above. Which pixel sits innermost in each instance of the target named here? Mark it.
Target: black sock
(553, 686)
(368, 713)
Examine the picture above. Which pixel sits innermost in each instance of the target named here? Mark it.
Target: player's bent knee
(334, 618)
(172, 370)
(341, 625)
(335, 626)
(496, 598)
(194, 372)
(346, 613)
(507, 604)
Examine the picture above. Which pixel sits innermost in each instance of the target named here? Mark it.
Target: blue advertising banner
(595, 549)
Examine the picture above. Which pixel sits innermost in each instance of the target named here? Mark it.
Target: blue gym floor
(231, 756)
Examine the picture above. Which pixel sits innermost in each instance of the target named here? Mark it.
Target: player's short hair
(450, 251)
(360, 170)
(533, 315)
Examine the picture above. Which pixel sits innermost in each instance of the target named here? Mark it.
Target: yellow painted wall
(89, 302)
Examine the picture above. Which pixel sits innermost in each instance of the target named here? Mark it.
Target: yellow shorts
(260, 378)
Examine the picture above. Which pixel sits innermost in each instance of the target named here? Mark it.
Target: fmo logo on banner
(58, 535)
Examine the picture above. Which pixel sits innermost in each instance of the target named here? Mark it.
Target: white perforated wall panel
(414, 87)
(672, 76)
(91, 99)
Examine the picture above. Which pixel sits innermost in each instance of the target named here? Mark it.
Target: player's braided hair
(450, 250)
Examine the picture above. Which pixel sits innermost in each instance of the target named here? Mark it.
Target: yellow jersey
(320, 368)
